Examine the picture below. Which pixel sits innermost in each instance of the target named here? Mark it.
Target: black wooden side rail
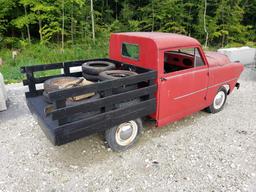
(102, 86)
(106, 103)
(31, 80)
(98, 104)
(108, 113)
(98, 123)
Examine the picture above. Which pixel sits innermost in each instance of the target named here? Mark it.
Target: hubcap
(126, 133)
(219, 100)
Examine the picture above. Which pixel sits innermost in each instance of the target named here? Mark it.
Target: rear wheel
(218, 101)
(123, 136)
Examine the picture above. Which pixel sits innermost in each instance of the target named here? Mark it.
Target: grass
(42, 54)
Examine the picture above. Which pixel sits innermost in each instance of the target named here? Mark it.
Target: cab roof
(164, 40)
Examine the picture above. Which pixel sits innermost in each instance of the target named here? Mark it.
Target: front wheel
(123, 136)
(218, 101)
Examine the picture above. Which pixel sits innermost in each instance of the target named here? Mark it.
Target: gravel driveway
(203, 152)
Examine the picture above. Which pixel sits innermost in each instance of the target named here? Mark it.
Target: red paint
(183, 92)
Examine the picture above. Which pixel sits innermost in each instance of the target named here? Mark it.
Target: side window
(130, 50)
(198, 59)
(182, 59)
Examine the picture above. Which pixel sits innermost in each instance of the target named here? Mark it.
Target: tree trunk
(223, 40)
(116, 10)
(189, 24)
(27, 26)
(153, 16)
(92, 17)
(63, 25)
(72, 23)
(205, 29)
(40, 27)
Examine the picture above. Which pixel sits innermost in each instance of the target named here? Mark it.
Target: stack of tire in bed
(102, 70)
(93, 71)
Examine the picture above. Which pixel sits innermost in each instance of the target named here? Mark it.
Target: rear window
(130, 50)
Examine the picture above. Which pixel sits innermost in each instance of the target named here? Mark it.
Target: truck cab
(188, 79)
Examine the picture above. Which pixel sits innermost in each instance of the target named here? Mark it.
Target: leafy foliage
(227, 21)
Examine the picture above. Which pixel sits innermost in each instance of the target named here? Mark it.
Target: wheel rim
(126, 133)
(219, 100)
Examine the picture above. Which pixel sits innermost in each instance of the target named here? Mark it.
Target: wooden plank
(80, 62)
(111, 117)
(66, 70)
(101, 86)
(102, 102)
(42, 79)
(31, 82)
(44, 67)
(59, 104)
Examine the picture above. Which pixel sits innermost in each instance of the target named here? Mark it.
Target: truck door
(183, 84)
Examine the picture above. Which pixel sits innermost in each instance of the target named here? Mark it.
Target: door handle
(163, 79)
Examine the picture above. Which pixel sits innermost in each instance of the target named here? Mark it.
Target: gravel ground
(203, 152)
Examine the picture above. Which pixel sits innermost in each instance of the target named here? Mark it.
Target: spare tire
(70, 102)
(58, 83)
(96, 67)
(116, 74)
(89, 77)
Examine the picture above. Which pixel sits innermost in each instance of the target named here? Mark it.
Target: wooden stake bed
(67, 123)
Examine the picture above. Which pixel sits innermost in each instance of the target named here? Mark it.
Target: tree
(205, 28)
(92, 17)
(214, 22)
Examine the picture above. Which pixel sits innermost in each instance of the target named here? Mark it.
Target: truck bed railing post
(66, 69)
(31, 82)
(57, 105)
(108, 93)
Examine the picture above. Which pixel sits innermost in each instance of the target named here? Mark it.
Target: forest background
(48, 31)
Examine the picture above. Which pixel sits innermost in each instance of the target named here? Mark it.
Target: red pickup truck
(173, 77)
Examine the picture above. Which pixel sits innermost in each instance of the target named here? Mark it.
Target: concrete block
(244, 55)
(3, 94)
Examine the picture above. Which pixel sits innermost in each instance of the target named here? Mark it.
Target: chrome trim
(198, 91)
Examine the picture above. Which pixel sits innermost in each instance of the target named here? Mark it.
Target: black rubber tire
(96, 67)
(110, 136)
(115, 74)
(89, 77)
(211, 108)
(54, 83)
(106, 76)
